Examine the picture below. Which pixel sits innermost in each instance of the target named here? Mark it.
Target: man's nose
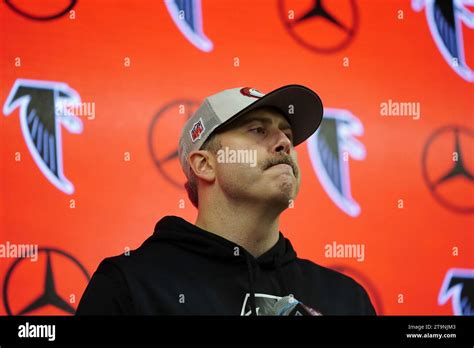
(282, 143)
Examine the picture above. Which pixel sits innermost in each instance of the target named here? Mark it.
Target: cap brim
(301, 106)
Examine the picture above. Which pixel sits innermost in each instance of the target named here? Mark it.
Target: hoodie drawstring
(253, 306)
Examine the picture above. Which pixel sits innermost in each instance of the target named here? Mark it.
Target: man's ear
(203, 165)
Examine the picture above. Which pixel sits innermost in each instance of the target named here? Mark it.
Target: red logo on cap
(197, 130)
(251, 92)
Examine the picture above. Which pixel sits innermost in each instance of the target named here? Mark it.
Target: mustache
(281, 160)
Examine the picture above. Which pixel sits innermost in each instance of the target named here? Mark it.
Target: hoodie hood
(180, 233)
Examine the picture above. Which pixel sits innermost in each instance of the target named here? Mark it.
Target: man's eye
(259, 130)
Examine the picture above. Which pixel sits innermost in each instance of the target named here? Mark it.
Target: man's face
(267, 169)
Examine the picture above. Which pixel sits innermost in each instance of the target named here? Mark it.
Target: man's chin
(282, 199)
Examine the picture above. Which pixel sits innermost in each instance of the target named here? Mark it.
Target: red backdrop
(141, 70)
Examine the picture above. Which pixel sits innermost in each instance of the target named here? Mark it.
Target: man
(238, 154)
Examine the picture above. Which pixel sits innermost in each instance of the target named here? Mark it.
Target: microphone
(289, 306)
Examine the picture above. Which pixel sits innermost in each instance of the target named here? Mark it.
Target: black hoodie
(184, 270)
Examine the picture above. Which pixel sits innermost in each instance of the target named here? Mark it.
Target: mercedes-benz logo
(447, 167)
(163, 136)
(323, 27)
(38, 7)
(43, 278)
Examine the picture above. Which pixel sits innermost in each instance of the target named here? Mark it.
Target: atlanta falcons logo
(458, 285)
(187, 15)
(445, 18)
(43, 109)
(329, 149)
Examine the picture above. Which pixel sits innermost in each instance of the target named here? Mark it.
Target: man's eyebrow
(262, 119)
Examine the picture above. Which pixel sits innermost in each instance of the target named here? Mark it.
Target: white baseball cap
(301, 106)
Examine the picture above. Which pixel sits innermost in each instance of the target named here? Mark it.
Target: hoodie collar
(175, 230)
